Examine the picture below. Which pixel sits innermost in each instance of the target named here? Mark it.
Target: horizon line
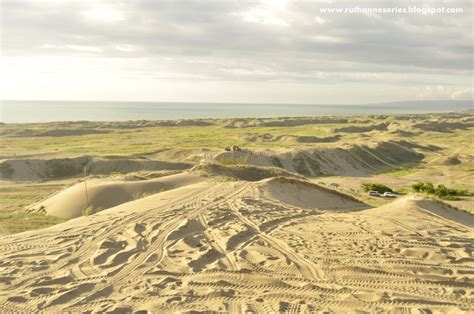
(238, 103)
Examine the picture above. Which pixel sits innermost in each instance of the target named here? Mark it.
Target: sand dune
(422, 208)
(241, 172)
(300, 121)
(344, 160)
(443, 126)
(242, 230)
(276, 245)
(58, 132)
(347, 160)
(361, 129)
(299, 193)
(40, 169)
(266, 137)
(311, 139)
(73, 202)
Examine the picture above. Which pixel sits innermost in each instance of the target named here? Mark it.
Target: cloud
(249, 40)
(463, 94)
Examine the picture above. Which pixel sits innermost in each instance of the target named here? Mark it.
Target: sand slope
(102, 194)
(294, 192)
(244, 246)
(348, 160)
(46, 169)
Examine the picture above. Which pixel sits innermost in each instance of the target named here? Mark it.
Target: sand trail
(244, 246)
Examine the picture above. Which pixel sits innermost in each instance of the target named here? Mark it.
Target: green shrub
(376, 187)
(417, 187)
(440, 190)
(429, 188)
(425, 187)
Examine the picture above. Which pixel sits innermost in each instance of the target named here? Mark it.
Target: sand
(172, 222)
(101, 194)
(348, 160)
(275, 245)
(59, 168)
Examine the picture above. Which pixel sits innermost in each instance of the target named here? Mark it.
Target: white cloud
(103, 14)
(252, 46)
(72, 47)
(463, 94)
(267, 12)
(125, 48)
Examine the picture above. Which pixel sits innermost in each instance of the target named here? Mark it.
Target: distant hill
(435, 105)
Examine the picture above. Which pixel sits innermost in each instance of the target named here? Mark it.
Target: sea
(12, 111)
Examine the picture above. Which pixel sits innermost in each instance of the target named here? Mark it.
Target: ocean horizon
(12, 111)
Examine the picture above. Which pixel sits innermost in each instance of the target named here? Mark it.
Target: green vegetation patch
(440, 190)
(126, 141)
(13, 217)
(17, 221)
(376, 187)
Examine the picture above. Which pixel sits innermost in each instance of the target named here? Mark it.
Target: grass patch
(142, 140)
(17, 221)
(13, 218)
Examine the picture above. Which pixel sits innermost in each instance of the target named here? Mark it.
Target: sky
(250, 51)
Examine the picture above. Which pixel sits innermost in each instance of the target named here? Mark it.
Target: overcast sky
(272, 51)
